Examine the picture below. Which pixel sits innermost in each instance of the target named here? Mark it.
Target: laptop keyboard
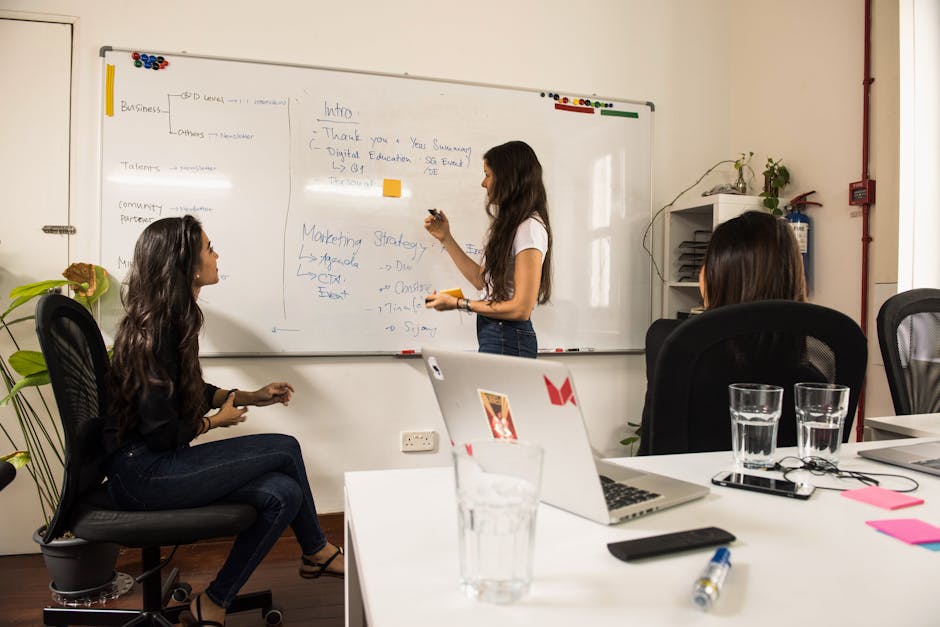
(929, 463)
(620, 495)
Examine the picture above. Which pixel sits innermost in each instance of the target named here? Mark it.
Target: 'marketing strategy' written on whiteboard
(313, 185)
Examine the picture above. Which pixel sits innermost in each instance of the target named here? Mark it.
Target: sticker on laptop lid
(498, 415)
(560, 395)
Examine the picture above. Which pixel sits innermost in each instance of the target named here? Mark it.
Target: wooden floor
(317, 603)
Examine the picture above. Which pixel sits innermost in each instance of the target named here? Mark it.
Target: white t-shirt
(530, 234)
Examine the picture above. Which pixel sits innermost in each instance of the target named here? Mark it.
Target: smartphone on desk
(768, 485)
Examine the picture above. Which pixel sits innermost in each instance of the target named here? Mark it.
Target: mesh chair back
(776, 342)
(77, 361)
(909, 337)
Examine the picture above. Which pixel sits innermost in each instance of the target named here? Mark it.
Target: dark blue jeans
(266, 471)
(507, 337)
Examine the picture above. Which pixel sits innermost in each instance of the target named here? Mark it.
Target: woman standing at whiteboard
(516, 273)
(159, 405)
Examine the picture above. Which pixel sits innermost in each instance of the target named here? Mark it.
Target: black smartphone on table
(767, 485)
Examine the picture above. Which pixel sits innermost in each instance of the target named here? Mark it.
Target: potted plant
(740, 185)
(39, 435)
(776, 177)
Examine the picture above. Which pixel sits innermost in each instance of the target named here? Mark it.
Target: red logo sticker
(560, 395)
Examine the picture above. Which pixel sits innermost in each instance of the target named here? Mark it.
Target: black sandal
(321, 569)
(188, 620)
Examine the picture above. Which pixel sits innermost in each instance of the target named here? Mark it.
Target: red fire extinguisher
(800, 223)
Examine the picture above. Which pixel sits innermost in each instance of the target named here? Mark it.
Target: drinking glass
(755, 411)
(497, 499)
(820, 414)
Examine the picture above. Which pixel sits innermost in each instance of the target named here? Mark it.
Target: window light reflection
(170, 181)
(360, 191)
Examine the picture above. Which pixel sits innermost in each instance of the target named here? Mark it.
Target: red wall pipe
(866, 234)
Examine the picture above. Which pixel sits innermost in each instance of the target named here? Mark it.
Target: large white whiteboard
(286, 166)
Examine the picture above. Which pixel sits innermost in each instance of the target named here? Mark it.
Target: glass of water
(755, 411)
(820, 414)
(497, 499)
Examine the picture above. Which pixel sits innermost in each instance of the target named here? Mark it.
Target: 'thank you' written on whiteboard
(313, 185)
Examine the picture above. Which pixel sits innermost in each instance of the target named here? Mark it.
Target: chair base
(164, 617)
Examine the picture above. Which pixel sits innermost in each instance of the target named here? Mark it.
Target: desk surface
(912, 426)
(795, 562)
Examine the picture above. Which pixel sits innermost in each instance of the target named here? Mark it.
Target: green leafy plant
(776, 177)
(38, 432)
(741, 164)
(633, 439)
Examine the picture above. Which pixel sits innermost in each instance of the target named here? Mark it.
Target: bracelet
(466, 305)
(232, 391)
(206, 425)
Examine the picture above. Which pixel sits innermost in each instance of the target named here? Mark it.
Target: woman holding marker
(159, 404)
(516, 270)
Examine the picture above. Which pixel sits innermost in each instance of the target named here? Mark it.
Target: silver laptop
(491, 396)
(924, 457)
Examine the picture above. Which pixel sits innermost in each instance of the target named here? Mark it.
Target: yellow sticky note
(456, 292)
(391, 188)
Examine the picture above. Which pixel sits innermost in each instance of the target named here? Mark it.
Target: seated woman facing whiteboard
(160, 404)
(516, 273)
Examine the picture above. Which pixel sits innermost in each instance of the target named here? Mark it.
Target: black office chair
(909, 336)
(776, 342)
(77, 361)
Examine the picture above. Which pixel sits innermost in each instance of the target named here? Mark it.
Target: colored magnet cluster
(581, 102)
(149, 61)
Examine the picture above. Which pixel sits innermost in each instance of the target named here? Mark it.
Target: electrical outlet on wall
(412, 441)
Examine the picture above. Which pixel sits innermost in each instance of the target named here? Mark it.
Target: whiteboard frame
(398, 354)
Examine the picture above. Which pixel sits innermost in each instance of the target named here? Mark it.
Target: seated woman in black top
(159, 404)
(754, 256)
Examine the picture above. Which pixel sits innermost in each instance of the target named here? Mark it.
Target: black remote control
(665, 544)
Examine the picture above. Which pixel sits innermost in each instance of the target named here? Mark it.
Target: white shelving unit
(694, 221)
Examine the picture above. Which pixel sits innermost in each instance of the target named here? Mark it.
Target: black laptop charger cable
(819, 466)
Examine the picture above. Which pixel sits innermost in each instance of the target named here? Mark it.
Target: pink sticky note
(878, 496)
(910, 530)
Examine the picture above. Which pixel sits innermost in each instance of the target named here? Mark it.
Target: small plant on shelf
(740, 164)
(776, 177)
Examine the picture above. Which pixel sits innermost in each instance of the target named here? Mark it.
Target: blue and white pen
(708, 585)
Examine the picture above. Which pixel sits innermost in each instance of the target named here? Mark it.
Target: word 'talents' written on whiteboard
(313, 186)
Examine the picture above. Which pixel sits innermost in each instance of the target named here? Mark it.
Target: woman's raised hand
(437, 225)
(272, 393)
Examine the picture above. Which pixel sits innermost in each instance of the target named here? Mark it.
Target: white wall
(697, 61)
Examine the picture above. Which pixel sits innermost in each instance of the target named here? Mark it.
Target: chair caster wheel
(273, 617)
(182, 593)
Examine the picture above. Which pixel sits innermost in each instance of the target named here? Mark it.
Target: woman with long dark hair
(516, 273)
(159, 404)
(751, 257)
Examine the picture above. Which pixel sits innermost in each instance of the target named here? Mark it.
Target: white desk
(795, 563)
(913, 426)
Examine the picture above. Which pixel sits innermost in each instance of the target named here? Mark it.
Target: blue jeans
(507, 337)
(266, 471)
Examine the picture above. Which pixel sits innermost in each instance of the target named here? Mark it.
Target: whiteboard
(293, 173)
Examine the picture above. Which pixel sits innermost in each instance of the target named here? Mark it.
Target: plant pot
(77, 566)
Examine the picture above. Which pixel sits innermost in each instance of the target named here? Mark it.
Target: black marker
(434, 213)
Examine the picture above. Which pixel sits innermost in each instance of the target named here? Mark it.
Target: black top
(159, 423)
(655, 336)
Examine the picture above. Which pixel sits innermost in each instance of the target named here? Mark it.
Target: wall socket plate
(412, 441)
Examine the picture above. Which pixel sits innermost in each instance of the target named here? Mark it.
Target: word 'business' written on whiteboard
(313, 185)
